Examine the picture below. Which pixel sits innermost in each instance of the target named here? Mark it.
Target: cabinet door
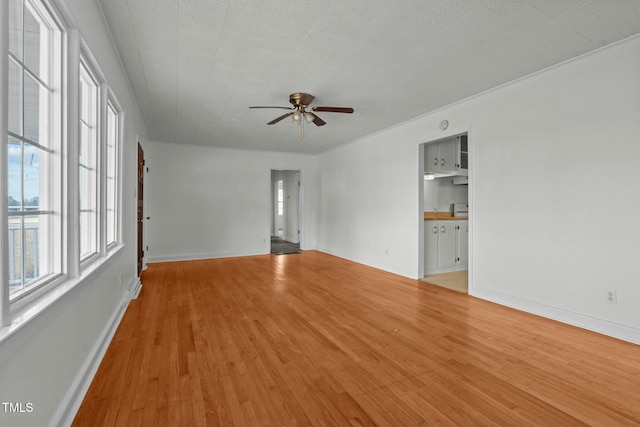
(447, 244)
(448, 154)
(463, 152)
(431, 231)
(431, 159)
(463, 243)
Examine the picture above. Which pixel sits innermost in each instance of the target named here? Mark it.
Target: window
(280, 198)
(113, 138)
(61, 216)
(33, 151)
(88, 152)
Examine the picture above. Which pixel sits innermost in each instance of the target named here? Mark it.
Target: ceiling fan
(301, 110)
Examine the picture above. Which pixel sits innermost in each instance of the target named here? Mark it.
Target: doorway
(444, 199)
(140, 208)
(285, 211)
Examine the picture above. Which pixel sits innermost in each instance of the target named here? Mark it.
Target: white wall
(48, 362)
(440, 193)
(554, 191)
(214, 202)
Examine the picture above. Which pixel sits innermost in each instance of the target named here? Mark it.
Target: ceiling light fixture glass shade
(308, 117)
(296, 117)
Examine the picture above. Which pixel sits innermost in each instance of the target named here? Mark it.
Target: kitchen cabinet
(447, 157)
(462, 249)
(446, 246)
(431, 233)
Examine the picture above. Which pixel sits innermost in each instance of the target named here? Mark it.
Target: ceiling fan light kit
(300, 102)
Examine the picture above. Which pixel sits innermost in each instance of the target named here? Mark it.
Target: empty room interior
(369, 213)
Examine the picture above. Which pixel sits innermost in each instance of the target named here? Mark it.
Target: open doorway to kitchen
(285, 208)
(445, 205)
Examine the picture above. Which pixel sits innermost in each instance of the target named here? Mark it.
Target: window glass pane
(88, 233)
(111, 161)
(15, 98)
(87, 95)
(15, 174)
(85, 147)
(15, 253)
(111, 222)
(33, 96)
(32, 237)
(31, 42)
(111, 227)
(84, 182)
(83, 150)
(27, 250)
(280, 198)
(84, 233)
(31, 178)
(83, 96)
(15, 28)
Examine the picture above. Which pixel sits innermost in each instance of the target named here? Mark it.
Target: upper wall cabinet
(447, 157)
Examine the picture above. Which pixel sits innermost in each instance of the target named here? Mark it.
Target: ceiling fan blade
(317, 120)
(276, 120)
(269, 106)
(348, 110)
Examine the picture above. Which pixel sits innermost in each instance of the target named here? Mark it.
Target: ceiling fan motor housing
(301, 99)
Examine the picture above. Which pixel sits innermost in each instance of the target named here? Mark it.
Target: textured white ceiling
(196, 65)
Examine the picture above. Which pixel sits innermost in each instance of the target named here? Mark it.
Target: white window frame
(23, 316)
(91, 192)
(113, 205)
(51, 178)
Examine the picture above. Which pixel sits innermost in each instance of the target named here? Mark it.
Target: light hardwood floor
(314, 340)
(455, 280)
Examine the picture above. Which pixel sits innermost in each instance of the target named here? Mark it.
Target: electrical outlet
(611, 296)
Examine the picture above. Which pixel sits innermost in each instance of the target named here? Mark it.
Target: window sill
(29, 315)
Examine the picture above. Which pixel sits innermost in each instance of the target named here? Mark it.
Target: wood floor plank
(315, 340)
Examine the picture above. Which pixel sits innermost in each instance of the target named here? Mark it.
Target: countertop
(442, 216)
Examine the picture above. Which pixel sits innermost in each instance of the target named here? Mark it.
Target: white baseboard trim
(605, 327)
(195, 257)
(369, 263)
(75, 395)
(135, 288)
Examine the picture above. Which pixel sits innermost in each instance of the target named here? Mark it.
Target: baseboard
(368, 263)
(75, 395)
(605, 327)
(195, 257)
(135, 288)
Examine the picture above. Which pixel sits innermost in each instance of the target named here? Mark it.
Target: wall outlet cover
(611, 296)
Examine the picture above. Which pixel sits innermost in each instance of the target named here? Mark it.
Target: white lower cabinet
(446, 246)
(462, 260)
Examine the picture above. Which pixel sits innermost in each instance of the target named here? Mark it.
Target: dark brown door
(140, 206)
